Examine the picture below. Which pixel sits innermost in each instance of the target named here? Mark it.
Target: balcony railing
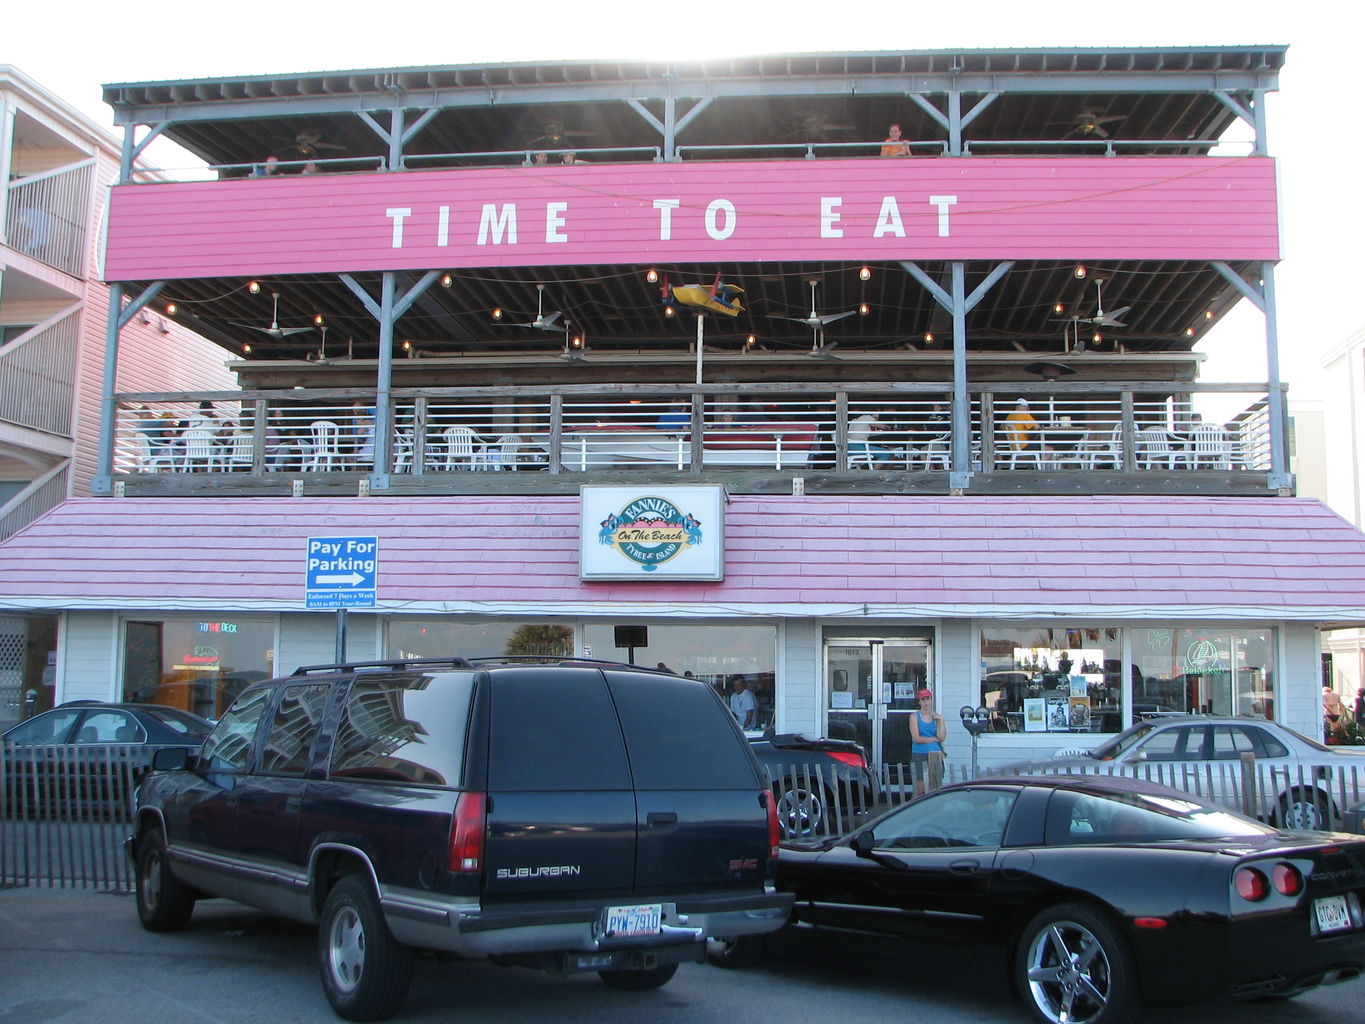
(1139, 431)
(38, 373)
(47, 214)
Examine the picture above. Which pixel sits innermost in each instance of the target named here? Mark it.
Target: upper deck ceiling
(1044, 101)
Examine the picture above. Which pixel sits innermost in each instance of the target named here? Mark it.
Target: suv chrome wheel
(801, 810)
(365, 970)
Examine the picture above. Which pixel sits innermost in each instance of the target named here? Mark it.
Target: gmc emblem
(744, 865)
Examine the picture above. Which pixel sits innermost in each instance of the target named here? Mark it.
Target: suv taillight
(853, 759)
(466, 834)
(774, 829)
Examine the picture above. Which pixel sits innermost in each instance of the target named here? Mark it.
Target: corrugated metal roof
(1272, 558)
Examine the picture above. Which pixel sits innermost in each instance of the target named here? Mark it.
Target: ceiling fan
(1101, 318)
(543, 321)
(308, 144)
(814, 128)
(275, 330)
(817, 324)
(1088, 122)
(555, 135)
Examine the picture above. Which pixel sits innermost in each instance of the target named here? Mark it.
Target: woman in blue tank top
(927, 733)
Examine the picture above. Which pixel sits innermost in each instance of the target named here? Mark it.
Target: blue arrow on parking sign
(341, 572)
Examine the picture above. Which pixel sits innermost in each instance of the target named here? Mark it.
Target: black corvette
(1098, 894)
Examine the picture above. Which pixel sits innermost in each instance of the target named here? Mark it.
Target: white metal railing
(796, 428)
(38, 375)
(47, 214)
(41, 495)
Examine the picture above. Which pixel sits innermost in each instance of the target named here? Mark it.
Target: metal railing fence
(38, 373)
(795, 427)
(47, 215)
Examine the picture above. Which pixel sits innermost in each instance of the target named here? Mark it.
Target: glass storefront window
(1211, 670)
(442, 638)
(198, 664)
(1052, 678)
(1070, 678)
(747, 652)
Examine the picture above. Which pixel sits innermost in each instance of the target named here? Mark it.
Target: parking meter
(975, 721)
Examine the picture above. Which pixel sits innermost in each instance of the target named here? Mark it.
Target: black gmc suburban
(568, 815)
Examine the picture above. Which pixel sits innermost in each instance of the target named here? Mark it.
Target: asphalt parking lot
(73, 956)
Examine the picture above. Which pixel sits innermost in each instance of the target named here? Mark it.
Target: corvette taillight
(1251, 885)
(1287, 879)
(466, 834)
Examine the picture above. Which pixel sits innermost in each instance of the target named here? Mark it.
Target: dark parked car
(821, 785)
(572, 816)
(88, 754)
(1099, 895)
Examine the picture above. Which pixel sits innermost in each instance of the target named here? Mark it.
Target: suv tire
(365, 970)
(639, 981)
(163, 904)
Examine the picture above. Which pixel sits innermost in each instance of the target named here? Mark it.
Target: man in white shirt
(743, 705)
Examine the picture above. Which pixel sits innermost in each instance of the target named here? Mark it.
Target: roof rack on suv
(556, 659)
(392, 664)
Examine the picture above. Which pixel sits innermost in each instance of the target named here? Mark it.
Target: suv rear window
(554, 729)
(406, 728)
(679, 734)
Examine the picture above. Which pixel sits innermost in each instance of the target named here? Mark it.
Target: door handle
(964, 867)
(661, 819)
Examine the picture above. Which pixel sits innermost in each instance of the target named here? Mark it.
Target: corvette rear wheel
(1073, 967)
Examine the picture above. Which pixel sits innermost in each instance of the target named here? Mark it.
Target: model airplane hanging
(719, 298)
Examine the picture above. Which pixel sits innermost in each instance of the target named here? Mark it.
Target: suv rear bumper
(470, 930)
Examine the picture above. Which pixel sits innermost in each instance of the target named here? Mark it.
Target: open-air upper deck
(1058, 208)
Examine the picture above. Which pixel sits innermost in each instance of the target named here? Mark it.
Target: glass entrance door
(870, 685)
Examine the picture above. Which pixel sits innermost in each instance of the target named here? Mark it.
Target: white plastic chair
(197, 449)
(1155, 448)
(239, 453)
(936, 450)
(150, 456)
(458, 447)
(502, 453)
(1104, 448)
(1212, 447)
(325, 453)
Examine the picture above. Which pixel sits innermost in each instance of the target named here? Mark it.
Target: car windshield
(1075, 817)
(180, 721)
(1113, 747)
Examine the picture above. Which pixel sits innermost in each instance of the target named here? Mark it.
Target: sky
(74, 48)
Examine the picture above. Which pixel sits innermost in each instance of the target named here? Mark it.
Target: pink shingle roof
(1268, 557)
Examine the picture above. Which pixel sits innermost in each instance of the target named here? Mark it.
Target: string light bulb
(577, 341)
(1189, 332)
(317, 320)
(254, 287)
(246, 350)
(928, 337)
(865, 274)
(750, 341)
(652, 276)
(172, 309)
(1057, 307)
(1208, 314)
(670, 311)
(1079, 272)
(407, 346)
(864, 309)
(446, 280)
(1097, 337)
(497, 312)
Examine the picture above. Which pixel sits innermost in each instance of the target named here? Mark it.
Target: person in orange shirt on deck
(893, 144)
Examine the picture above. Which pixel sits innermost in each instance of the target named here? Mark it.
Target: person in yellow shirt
(1021, 428)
